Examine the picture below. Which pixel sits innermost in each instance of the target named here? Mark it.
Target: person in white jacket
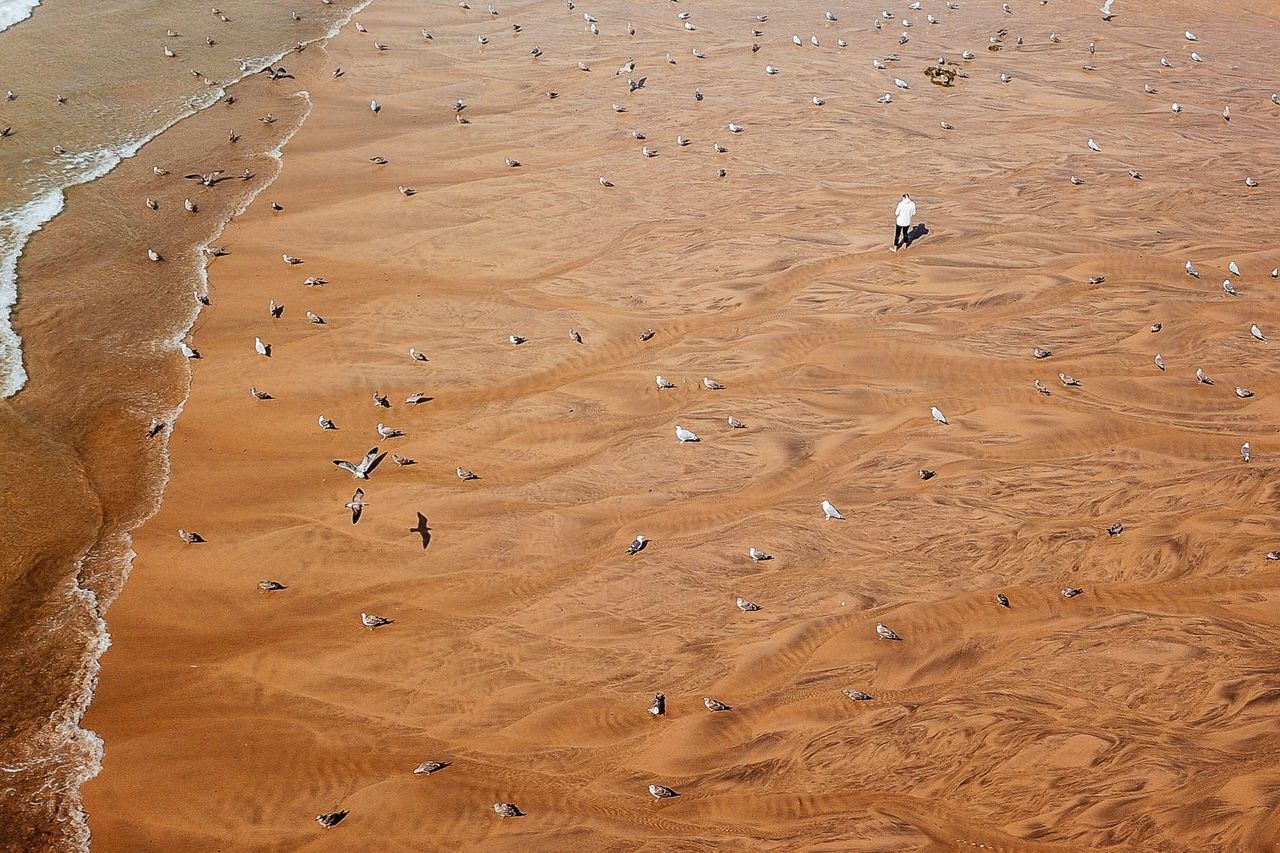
(902, 232)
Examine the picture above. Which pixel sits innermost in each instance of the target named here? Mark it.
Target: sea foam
(15, 11)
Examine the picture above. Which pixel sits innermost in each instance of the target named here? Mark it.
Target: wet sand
(526, 644)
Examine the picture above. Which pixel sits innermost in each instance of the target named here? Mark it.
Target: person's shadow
(918, 231)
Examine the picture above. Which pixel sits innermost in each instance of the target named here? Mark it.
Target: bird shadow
(422, 530)
(377, 460)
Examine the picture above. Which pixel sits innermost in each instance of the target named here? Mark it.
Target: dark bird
(422, 530)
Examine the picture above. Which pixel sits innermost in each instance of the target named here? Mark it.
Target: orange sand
(526, 644)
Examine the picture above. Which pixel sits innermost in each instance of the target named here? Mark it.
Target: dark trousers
(901, 235)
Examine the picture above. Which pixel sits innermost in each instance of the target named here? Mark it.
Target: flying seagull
(364, 468)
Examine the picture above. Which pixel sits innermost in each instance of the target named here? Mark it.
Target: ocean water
(87, 353)
(15, 11)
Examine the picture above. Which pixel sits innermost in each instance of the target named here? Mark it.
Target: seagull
(370, 621)
(1251, 183)
(1093, 146)
(315, 319)
(331, 819)
(663, 382)
(516, 340)
(734, 423)
(1041, 353)
(1105, 9)
(637, 545)
(464, 474)
(661, 792)
(1257, 333)
(1190, 36)
(375, 106)
(1071, 591)
(735, 128)
(258, 395)
(1042, 388)
(884, 633)
(416, 399)
(900, 83)
(364, 468)
(714, 704)
(325, 423)
(189, 537)
(356, 505)
(291, 260)
(429, 767)
(604, 182)
(926, 473)
(831, 512)
(1228, 287)
(1160, 362)
(1076, 181)
(1165, 62)
(946, 126)
(658, 706)
(937, 415)
(1002, 599)
(711, 385)
(416, 356)
(1202, 377)
(1115, 529)
(1243, 393)
(757, 555)
(388, 432)
(261, 348)
(770, 70)
(271, 586)
(1233, 268)
(857, 695)
(1177, 107)
(685, 435)
(1068, 380)
(1195, 57)
(885, 99)
(1191, 269)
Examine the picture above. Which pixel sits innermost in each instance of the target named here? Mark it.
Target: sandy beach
(525, 642)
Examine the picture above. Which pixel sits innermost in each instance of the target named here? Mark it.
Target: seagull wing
(371, 460)
(347, 466)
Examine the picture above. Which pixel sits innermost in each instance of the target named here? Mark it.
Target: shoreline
(51, 760)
